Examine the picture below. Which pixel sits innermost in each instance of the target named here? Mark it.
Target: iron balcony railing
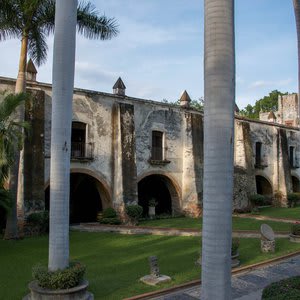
(82, 151)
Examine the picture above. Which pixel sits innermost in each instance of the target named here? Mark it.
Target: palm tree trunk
(63, 83)
(16, 179)
(297, 17)
(219, 95)
(21, 79)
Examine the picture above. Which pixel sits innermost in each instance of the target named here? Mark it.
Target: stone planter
(234, 260)
(151, 212)
(294, 238)
(76, 293)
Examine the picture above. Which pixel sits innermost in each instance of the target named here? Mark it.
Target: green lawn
(237, 223)
(281, 212)
(116, 262)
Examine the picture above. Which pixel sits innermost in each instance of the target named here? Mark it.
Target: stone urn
(79, 292)
(151, 212)
(294, 238)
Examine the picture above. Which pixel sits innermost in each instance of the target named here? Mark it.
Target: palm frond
(9, 104)
(93, 26)
(10, 21)
(6, 200)
(45, 16)
(37, 46)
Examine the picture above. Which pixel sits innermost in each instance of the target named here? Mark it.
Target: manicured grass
(237, 223)
(281, 212)
(116, 262)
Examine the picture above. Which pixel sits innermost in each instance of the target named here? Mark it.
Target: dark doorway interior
(155, 186)
(263, 186)
(296, 184)
(85, 199)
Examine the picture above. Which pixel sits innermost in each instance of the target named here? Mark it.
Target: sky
(159, 50)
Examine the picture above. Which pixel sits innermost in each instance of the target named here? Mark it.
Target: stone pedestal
(151, 212)
(76, 293)
(153, 280)
(267, 246)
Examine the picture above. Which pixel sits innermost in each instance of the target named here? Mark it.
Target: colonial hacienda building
(128, 150)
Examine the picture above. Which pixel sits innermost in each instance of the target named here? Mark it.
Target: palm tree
(219, 95)
(63, 82)
(31, 21)
(11, 140)
(297, 17)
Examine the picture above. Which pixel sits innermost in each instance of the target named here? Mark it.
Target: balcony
(82, 151)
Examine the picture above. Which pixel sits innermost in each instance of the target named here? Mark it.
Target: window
(78, 140)
(258, 154)
(292, 156)
(157, 145)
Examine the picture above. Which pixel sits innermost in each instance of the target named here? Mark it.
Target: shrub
(235, 246)
(134, 212)
(109, 213)
(111, 221)
(40, 220)
(257, 199)
(60, 279)
(295, 229)
(293, 198)
(108, 216)
(284, 289)
(244, 210)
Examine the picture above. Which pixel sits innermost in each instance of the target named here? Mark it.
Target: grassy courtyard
(116, 262)
(237, 223)
(281, 212)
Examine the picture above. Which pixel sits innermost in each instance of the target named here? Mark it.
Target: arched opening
(88, 197)
(263, 186)
(160, 188)
(296, 184)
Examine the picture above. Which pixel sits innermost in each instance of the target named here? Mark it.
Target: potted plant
(61, 284)
(295, 233)
(151, 208)
(234, 253)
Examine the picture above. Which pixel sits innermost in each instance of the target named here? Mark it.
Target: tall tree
(297, 17)
(31, 21)
(63, 83)
(265, 104)
(11, 140)
(219, 95)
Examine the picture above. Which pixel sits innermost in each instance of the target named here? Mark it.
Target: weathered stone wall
(119, 129)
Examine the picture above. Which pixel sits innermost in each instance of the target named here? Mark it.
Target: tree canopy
(34, 20)
(265, 104)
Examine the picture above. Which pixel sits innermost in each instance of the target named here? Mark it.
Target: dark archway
(263, 186)
(160, 188)
(296, 184)
(87, 197)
